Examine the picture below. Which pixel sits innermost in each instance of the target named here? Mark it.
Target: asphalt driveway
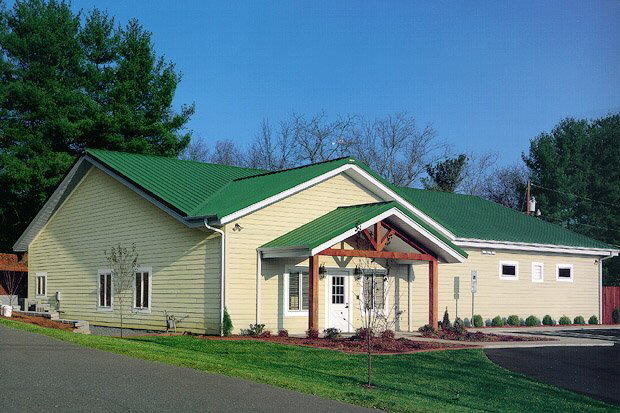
(39, 373)
(593, 371)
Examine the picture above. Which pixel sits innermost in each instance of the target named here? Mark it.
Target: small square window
(509, 270)
(564, 272)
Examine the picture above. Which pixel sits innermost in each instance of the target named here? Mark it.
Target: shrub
(265, 334)
(478, 322)
(547, 320)
(564, 320)
(615, 315)
(362, 333)
(579, 320)
(532, 321)
(387, 334)
(227, 325)
(426, 330)
(331, 333)
(497, 322)
(445, 323)
(458, 327)
(312, 334)
(467, 322)
(283, 333)
(513, 320)
(593, 320)
(254, 330)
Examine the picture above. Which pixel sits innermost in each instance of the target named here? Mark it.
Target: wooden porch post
(433, 270)
(313, 293)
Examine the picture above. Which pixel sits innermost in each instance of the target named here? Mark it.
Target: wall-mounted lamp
(237, 227)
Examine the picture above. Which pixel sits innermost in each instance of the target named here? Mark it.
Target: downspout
(259, 261)
(222, 268)
(600, 285)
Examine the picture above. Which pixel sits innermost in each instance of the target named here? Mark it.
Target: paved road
(594, 371)
(38, 373)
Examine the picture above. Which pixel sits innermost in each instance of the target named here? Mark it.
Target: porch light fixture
(322, 270)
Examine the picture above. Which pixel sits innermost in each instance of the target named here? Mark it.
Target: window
(41, 284)
(142, 290)
(508, 270)
(338, 289)
(297, 290)
(537, 272)
(105, 290)
(564, 272)
(374, 290)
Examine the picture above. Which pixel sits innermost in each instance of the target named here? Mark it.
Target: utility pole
(527, 200)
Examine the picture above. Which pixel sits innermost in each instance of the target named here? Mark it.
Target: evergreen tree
(68, 82)
(575, 172)
(446, 175)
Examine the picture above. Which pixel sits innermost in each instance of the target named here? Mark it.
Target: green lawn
(456, 380)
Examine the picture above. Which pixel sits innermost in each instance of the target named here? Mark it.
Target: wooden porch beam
(377, 233)
(370, 238)
(433, 296)
(407, 240)
(313, 293)
(376, 254)
(385, 239)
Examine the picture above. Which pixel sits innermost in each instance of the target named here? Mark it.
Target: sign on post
(474, 281)
(456, 288)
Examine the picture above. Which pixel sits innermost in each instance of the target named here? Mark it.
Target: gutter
(222, 269)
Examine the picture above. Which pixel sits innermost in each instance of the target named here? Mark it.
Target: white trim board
(360, 176)
(522, 246)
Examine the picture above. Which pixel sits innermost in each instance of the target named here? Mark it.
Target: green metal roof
(469, 216)
(198, 189)
(183, 185)
(341, 220)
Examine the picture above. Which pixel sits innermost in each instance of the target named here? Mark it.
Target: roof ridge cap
(295, 168)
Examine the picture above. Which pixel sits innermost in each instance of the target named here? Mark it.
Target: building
(294, 249)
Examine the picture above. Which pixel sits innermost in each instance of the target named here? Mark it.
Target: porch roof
(343, 222)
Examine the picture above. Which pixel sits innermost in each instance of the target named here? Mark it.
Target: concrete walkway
(586, 336)
(39, 373)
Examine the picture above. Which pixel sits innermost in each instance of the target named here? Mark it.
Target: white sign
(474, 281)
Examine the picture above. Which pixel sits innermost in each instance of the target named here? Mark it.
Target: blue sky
(487, 75)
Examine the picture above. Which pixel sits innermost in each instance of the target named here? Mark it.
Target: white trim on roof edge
(523, 246)
(357, 174)
(449, 253)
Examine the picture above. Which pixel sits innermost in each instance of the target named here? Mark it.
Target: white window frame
(509, 277)
(542, 272)
(287, 311)
(99, 306)
(386, 297)
(36, 284)
(564, 266)
(146, 310)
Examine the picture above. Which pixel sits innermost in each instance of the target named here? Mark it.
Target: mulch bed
(40, 321)
(482, 337)
(353, 345)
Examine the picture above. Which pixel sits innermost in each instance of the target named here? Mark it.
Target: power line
(594, 226)
(577, 196)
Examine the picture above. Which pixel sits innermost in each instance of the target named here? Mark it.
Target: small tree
(124, 263)
(12, 281)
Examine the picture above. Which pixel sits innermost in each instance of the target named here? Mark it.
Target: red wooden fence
(611, 299)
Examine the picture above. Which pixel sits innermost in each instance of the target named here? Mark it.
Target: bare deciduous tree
(477, 173)
(12, 281)
(396, 148)
(506, 186)
(273, 153)
(318, 139)
(124, 263)
(227, 152)
(197, 150)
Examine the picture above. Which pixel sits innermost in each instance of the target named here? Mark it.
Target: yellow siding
(505, 297)
(99, 214)
(265, 225)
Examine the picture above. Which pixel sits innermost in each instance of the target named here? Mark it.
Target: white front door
(338, 300)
